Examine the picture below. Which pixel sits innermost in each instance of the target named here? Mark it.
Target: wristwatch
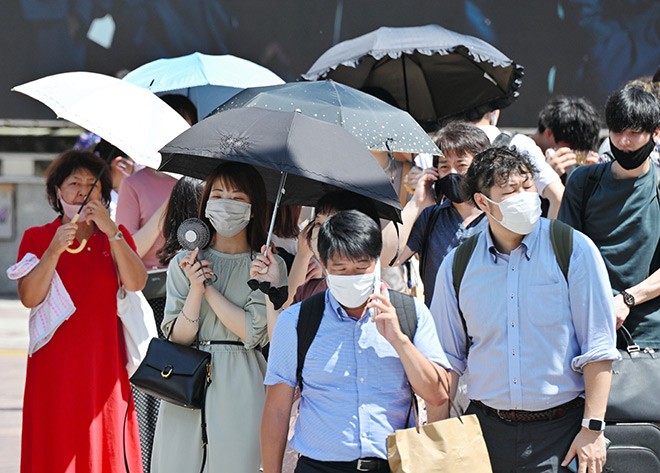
(117, 236)
(596, 425)
(628, 299)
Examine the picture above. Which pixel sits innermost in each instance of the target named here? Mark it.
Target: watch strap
(596, 425)
(628, 298)
(117, 236)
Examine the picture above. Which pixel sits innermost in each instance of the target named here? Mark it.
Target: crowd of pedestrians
(527, 336)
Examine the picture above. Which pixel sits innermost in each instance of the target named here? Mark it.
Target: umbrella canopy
(129, 117)
(378, 125)
(206, 80)
(430, 71)
(315, 157)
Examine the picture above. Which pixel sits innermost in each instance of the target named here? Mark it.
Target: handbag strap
(205, 438)
(414, 406)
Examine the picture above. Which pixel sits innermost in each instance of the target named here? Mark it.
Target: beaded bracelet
(192, 321)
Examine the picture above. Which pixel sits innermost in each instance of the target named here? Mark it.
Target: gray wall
(30, 209)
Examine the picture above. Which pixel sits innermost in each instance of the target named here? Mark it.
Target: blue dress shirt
(355, 391)
(531, 331)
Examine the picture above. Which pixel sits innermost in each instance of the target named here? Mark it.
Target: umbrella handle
(280, 191)
(82, 243)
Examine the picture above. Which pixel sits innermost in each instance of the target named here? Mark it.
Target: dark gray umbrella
(378, 125)
(299, 157)
(430, 71)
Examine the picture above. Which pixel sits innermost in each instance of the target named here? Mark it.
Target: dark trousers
(307, 465)
(530, 447)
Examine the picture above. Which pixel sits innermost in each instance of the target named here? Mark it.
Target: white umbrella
(127, 116)
(208, 81)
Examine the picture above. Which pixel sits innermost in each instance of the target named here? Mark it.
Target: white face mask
(228, 216)
(520, 212)
(352, 291)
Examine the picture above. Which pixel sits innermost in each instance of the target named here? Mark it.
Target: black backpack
(311, 313)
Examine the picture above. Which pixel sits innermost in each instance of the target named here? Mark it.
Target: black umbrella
(300, 158)
(430, 71)
(378, 125)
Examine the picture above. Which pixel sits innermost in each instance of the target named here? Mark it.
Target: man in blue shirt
(355, 389)
(540, 345)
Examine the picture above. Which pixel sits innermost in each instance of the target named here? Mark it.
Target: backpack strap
(406, 312)
(309, 320)
(594, 175)
(561, 236)
(461, 259)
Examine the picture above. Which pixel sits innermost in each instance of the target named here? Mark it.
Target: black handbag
(174, 373)
(635, 380)
(178, 374)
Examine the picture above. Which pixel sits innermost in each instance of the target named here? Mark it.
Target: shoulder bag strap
(309, 320)
(594, 175)
(423, 256)
(503, 139)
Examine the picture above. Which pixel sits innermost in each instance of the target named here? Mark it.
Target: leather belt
(361, 464)
(219, 342)
(532, 416)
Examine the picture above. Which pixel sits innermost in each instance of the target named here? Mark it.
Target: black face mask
(450, 186)
(632, 159)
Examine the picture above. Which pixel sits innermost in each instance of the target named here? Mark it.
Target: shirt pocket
(545, 304)
(328, 366)
(387, 369)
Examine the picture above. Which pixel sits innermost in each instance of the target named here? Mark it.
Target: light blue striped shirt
(531, 331)
(355, 391)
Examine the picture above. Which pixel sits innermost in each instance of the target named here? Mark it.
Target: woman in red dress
(78, 413)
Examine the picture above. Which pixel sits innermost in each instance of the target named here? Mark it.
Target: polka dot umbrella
(378, 125)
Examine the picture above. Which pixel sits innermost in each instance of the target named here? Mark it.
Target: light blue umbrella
(206, 80)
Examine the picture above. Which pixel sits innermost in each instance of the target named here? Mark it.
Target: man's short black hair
(632, 108)
(493, 167)
(350, 234)
(573, 120)
(460, 138)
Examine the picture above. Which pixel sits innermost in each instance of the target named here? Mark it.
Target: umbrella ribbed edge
(379, 54)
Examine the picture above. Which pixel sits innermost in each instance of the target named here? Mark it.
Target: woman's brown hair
(68, 162)
(244, 178)
(286, 222)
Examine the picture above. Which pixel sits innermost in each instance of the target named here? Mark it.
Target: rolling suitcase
(635, 448)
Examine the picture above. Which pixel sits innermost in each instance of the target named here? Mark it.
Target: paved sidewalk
(13, 357)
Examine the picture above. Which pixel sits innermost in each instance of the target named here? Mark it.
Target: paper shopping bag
(446, 446)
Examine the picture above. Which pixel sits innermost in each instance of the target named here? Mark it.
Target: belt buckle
(501, 417)
(360, 462)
